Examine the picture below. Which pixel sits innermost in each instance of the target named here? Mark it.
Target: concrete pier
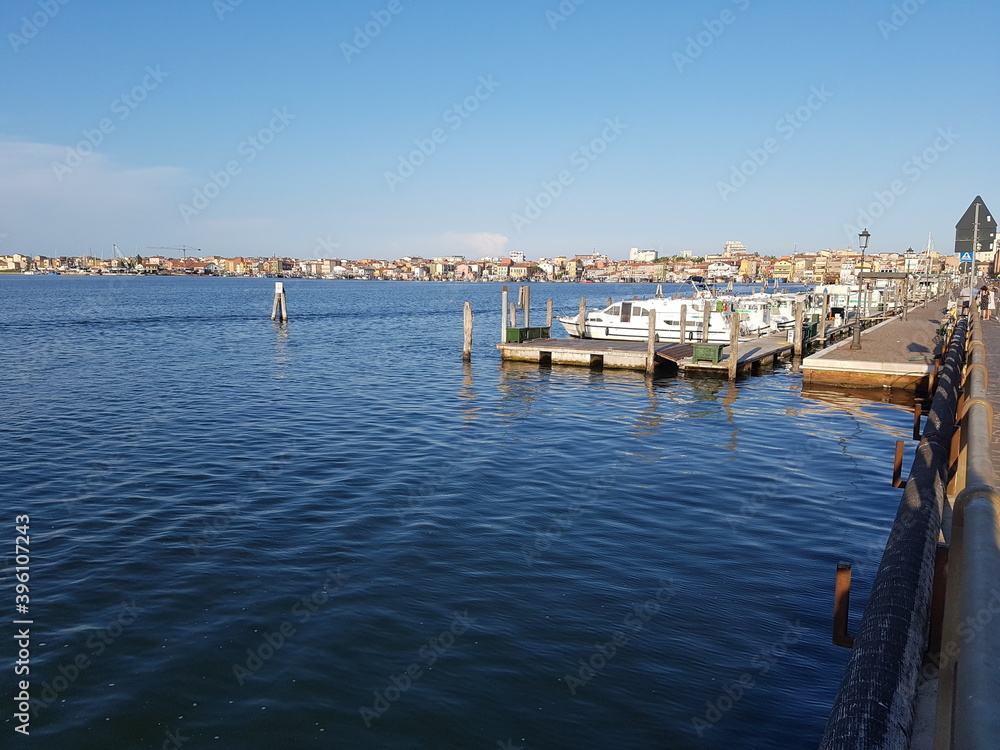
(897, 354)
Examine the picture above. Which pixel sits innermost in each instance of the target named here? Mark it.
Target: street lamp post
(863, 242)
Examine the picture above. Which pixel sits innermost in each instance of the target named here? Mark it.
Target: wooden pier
(526, 344)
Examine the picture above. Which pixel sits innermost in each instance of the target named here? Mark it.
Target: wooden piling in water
(704, 322)
(822, 320)
(467, 319)
(526, 304)
(651, 344)
(684, 320)
(734, 345)
(548, 313)
(583, 316)
(797, 339)
(513, 315)
(279, 307)
(503, 314)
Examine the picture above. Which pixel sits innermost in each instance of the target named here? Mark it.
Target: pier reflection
(520, 383)
(467, 395)
(650, 419)
(727, 407)
(281, 356)
(863, 406)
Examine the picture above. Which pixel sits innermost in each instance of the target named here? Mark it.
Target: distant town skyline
(381, 129)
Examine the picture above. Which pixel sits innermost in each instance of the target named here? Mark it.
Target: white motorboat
(677, 319)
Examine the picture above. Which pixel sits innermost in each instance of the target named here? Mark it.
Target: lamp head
(863, 239)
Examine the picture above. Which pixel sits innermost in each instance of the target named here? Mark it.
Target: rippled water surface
(333, 534)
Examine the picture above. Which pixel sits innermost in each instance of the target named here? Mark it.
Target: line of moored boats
(760, 314)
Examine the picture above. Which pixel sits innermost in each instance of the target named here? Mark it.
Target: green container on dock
(518, 335)
(706, 352)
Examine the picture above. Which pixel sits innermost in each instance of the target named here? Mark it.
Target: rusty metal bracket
(842, 606)
(897, 466)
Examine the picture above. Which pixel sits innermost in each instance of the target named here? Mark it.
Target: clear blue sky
(833, 99)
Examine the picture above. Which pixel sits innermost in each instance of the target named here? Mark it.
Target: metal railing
(968, 714)
(906, 638)
(874, 707)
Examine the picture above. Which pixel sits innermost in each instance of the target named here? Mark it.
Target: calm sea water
(333, 534)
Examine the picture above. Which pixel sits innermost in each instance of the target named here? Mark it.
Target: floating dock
(670, 358)
(628, 355)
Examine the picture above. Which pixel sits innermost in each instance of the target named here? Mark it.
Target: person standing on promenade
(991, 304)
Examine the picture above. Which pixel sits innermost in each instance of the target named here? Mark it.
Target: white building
(721, 270)
(642, 256)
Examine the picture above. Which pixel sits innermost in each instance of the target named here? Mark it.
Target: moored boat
(702, 317)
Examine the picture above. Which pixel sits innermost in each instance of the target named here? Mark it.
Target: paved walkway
(896, 340)
(895, 354)
(991, 337)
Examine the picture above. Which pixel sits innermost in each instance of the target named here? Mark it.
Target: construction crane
(183, 248)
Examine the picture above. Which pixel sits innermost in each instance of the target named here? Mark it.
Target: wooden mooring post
(704, 322)
(524, 297)
(822, 320)
(734, 345)
(684, 320)
(548, 313)
(467, 319)
(798, 337)
(583, 316)
(651, 344)
(279, 306)
(503, 314)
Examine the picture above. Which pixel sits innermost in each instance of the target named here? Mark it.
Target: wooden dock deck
(751, 357)
(671, 358)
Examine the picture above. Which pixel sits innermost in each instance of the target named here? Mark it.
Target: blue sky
(476, 128)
